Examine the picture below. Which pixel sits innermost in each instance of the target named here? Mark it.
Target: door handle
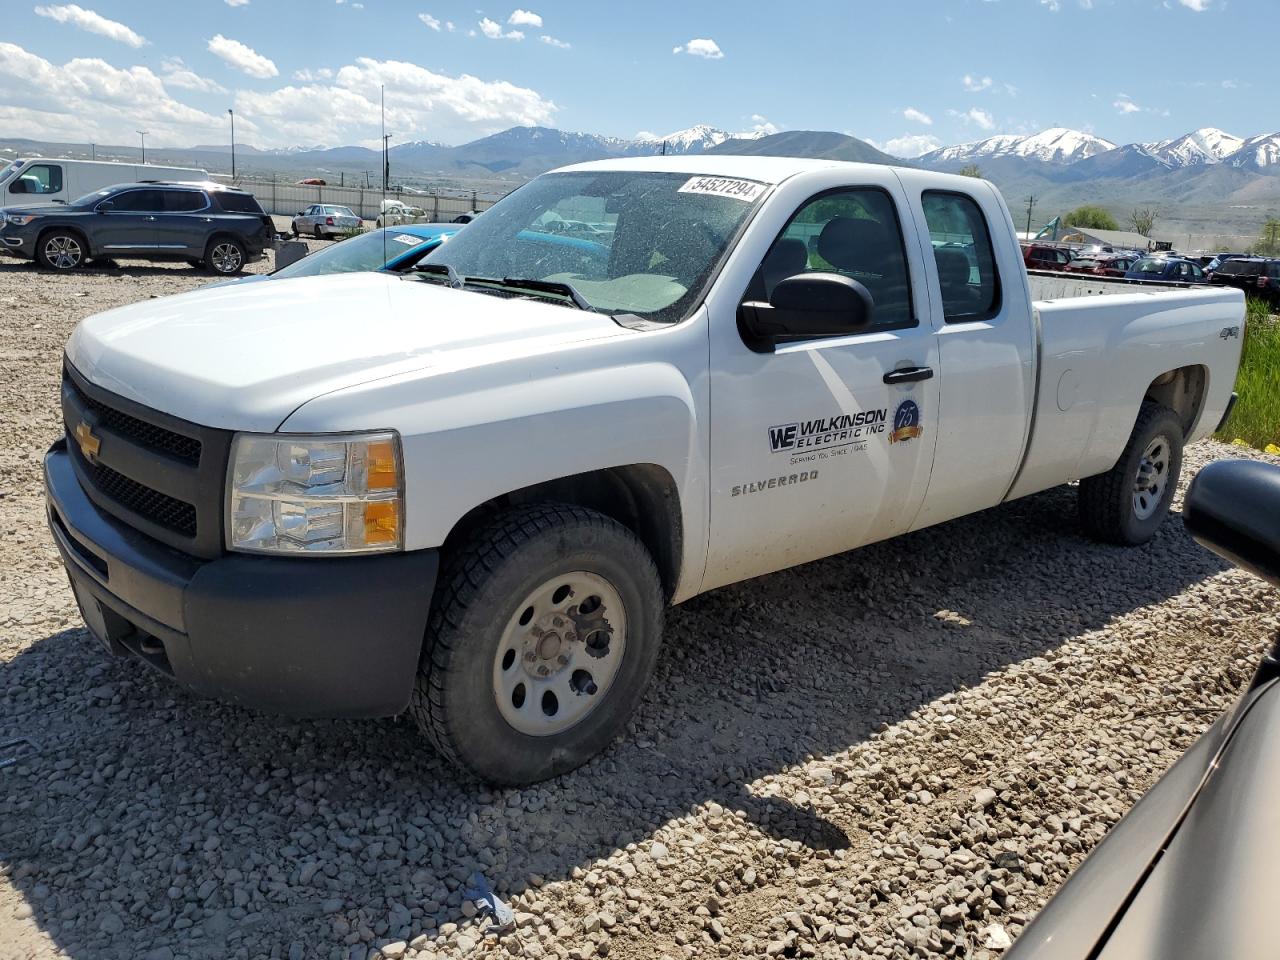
(909, 375)
(150, 218)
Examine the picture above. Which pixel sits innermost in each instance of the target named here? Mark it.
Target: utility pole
(143, 135)
(232, 114)
(1031, 202)
(93, 151)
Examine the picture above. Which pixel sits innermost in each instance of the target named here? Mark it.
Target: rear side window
(855, 233)
(39, 178)
(239, 203)
(964, 255)
(184, 201)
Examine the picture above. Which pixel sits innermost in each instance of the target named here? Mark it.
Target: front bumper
(307, 636)
(17, 241)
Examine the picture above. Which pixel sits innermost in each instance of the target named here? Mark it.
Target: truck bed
(1053, 285)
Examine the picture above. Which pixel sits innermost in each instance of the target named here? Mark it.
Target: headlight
(315, 494)
(20, 219)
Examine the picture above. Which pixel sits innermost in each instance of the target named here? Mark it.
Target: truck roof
(763, 169)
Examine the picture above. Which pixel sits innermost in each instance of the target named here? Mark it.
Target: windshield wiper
(557, 288)
(442, 269)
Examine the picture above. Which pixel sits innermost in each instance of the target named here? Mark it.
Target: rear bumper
(332, 637)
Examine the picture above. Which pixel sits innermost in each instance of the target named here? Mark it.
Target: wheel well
(642, 497)
(1182, 391)
(223, 235)
(74, 230)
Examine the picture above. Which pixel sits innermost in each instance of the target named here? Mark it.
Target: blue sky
(905, 74)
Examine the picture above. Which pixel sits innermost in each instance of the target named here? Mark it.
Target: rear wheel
(319, 235)
(543, 633)
(60, 250)
(1127, 504)
(224, 256)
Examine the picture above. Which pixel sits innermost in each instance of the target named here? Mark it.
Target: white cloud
(976, 84)
(493, 30)
(979, 118)
(645, 135)
(430, 21)
(1199, 6)
(553, 42)
(448, 25)
(421, 104)
(910, 145)
(1053, 5)
(91, 22)
(914, 115)
(760, 127)
(243, 58)
(175, 73)
(307, 75)
(89, 99)
(1124, 105)
(701, 47)
(237, 3)
(524, 18)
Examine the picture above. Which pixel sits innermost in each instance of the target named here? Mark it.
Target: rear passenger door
(186, 222)
(986, 347)
(822, 444)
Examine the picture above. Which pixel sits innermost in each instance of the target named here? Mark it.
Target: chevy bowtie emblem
(89, 444)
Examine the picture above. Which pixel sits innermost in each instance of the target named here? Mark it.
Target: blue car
(392, 248)
(1166, 270)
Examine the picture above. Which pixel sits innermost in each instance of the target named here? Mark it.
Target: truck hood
(245, 356)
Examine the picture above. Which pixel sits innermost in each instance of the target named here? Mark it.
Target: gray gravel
(899, 752)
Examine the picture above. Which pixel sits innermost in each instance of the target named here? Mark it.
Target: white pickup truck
(471, 491)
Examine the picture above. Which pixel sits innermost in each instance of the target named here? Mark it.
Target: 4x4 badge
(89, 444)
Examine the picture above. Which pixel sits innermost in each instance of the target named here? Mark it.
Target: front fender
(475, 434)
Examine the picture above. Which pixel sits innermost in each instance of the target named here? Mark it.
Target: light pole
(232, 114)
(143, 135)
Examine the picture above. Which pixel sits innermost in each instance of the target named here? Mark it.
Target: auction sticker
(747, 191)
(407, 238)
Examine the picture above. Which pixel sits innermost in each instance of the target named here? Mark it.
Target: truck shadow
(150, 819)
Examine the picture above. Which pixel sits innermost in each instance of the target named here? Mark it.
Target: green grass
(1255, 421)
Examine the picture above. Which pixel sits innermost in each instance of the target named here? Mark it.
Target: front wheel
(224, 256)
(60, 250)
(544, 631)
(1127, 504)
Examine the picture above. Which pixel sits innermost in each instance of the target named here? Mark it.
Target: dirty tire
(1108, 510)
(224, 256)
(60, 250)
(480, 591)
(318, 234)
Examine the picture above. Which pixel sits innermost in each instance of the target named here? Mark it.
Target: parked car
(322, 220)
(1044, 256)
(395, 249)
(1192, 870)
(1102, 265)
(209, 225)
(1166, 270)
(29, 180)
(396, 212)
(1218, 259)
(1247, 273)
(313, 182)
(470, 492)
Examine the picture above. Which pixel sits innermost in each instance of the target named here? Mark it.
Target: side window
(855, 233)
(39, 178)
(1196, 273)
(184, 201)
(1061, 257)
(964, 255)
(138, 201)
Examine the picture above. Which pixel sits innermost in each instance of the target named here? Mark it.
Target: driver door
(824, 444)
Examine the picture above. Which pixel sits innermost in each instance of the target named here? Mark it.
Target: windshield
(1149, 265)
(629, 242)
(362, 252)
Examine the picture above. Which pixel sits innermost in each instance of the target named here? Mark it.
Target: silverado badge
(89, 444)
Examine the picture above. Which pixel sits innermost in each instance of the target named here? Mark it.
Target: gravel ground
(896, 752)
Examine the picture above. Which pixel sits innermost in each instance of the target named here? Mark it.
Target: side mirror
(807, 305)
(106, 206)
(1233, 508)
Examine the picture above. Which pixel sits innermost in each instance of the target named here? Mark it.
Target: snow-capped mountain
(1261, 152)
(696, 139)
(1055, 145)
(1206, 145)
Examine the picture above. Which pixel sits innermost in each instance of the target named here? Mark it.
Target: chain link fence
(287, 199)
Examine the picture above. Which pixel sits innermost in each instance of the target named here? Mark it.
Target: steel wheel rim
(225, 258)
(62, 252)
(1152, 480)
(559, 654)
